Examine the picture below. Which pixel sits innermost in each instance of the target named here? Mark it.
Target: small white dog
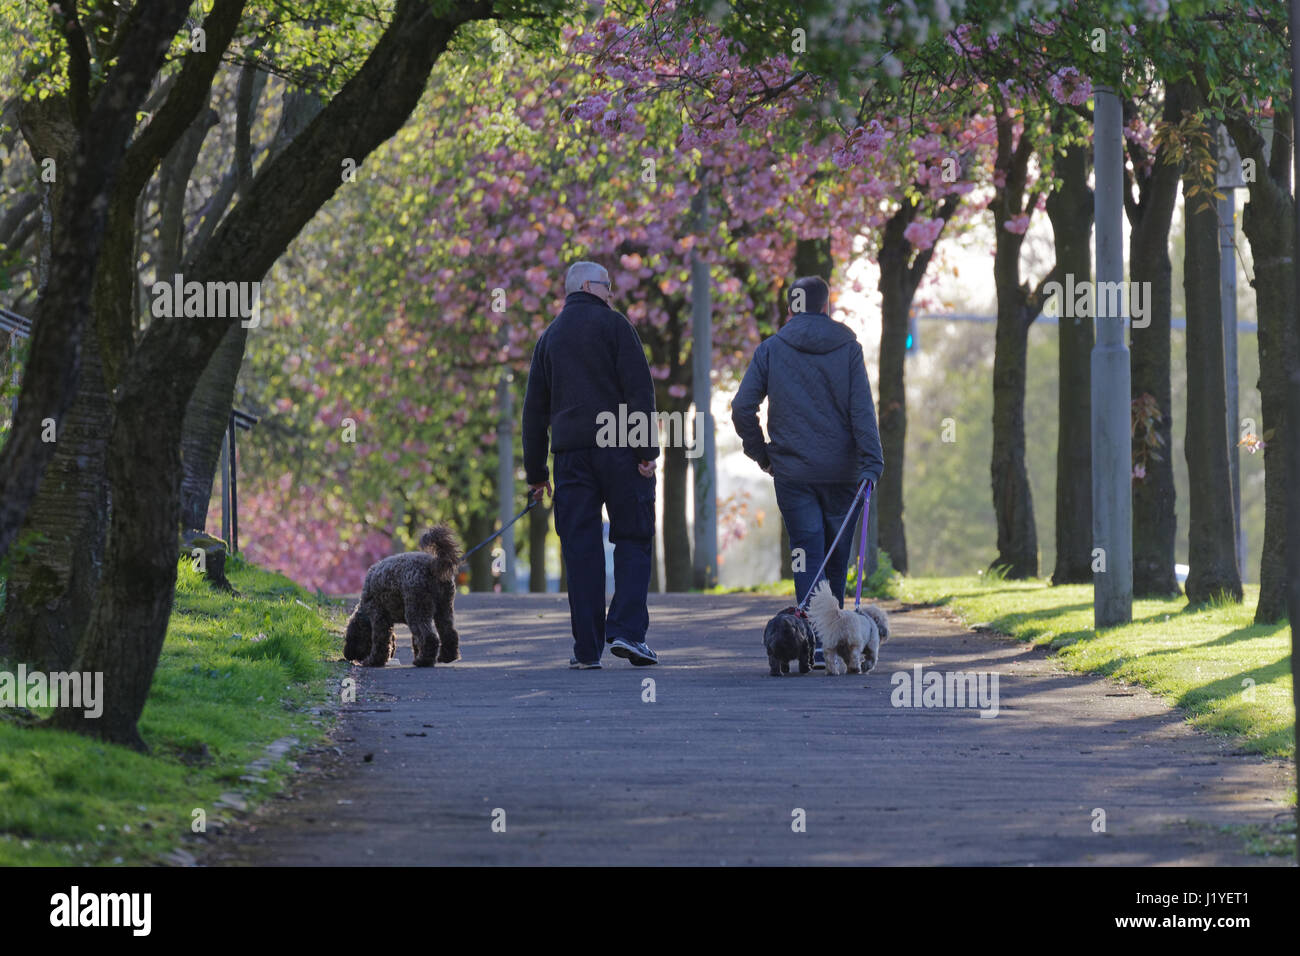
(850, 637)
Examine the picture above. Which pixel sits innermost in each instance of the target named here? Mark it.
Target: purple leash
(864, 489)
(862, 544)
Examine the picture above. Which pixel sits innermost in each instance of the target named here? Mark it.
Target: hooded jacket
(821, 420)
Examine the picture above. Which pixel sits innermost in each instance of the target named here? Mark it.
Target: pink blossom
(1068, 85)
(924, 232)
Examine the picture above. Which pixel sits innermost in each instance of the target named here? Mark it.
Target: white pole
(1228, 297)
(1112, 456)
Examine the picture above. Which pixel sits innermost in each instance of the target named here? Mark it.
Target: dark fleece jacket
(589, 360)
(821, 420)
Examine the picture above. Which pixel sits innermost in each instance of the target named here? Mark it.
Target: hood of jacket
(815, 333)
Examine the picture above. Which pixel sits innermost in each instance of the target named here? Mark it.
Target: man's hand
(535, 492)
(647, 469)
(767, 468)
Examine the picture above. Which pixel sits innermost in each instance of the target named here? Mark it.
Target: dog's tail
(440, 541)
(878, 615)
(823, 610)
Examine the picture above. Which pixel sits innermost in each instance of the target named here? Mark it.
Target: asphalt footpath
(509, 757)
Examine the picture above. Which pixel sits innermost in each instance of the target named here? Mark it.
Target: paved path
(712, 771)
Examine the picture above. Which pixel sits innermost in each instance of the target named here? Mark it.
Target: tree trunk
(55, 570)
(104, 127)
(129, 621)
(677, 537)
(1070, 210)
(896, 292)
(139, 576)
(1212, 533)
(206, 419)
(53, 584)
(1155, 522)
(812, 257)
(1268, 222)
(1013, 502)
(538, 524)
(655, 585)
(480, 562)
(1012, 498)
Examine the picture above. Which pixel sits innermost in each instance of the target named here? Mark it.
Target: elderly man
(586, 364)
(822, 426)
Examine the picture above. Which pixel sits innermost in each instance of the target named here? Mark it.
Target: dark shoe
(819, 658)
(637, 653)
(577, 665)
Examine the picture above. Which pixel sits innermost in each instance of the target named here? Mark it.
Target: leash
(532, 503)
(864, 491)
(862, 544)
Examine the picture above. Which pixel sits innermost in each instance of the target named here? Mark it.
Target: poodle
(849, 638)
(788, 637)
(416, 588)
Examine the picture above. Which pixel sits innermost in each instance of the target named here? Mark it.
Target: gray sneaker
(577, 665)
(819, 658)
(636, 652)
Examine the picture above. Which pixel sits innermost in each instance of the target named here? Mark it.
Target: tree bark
(130, 619)
(1268, 221)
(1155, 522)
(55, 571)
(896, 291)
(54, 585)
(538, 524)
(54, 579)
(1013, 501)
(207, 416)
(812, 257)
(1070, 210)
(1213, 570)
(480, 562)
(54, 361)
(677, 537)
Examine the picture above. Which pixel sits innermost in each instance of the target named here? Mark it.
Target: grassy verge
(1230, 676)
(882, 584)
(235, 675)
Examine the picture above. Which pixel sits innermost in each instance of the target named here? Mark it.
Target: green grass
(1201, 660)
(235, 675)
(882, 584)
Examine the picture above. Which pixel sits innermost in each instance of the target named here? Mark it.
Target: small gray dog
(417, 589)
(788, 637)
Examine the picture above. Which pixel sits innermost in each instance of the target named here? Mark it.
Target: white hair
(581, 272)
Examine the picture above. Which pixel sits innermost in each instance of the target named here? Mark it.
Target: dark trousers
(585, 480)
(812, 514)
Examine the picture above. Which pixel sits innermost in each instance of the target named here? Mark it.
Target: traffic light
(913, 340)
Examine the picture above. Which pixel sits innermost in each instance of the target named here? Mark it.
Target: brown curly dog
(417, 589)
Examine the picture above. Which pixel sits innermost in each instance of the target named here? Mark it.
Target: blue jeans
(812, 514)
(584, 480)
